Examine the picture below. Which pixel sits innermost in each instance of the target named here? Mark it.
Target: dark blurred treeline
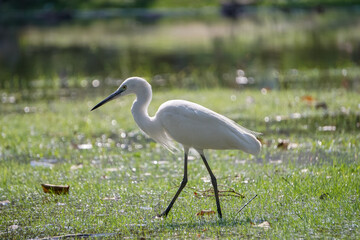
(73, 4)
(19, 12)
(102, 4)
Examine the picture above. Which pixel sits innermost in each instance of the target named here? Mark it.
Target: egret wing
(196, 126)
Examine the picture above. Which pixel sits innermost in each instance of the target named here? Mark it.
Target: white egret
(190, 124)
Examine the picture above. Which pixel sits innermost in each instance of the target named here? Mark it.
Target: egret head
(130, 85)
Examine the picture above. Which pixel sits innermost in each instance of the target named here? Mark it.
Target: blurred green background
(49, 48)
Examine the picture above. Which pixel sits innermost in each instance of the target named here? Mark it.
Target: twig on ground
(246, 204)
(224, 193)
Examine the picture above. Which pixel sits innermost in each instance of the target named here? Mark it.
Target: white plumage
(195, 126)
(188, 123)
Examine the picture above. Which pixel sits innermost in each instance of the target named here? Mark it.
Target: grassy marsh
(119, 179)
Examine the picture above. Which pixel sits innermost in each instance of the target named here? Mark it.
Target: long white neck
(150, 125)
(139, 109)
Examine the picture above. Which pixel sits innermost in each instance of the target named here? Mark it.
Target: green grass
(124, 179)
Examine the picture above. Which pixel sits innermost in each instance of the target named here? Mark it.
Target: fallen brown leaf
(265, 225)
(309, 99)
(205, 213)
(55, 189)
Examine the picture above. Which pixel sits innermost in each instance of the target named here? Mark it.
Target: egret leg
(214, 183)
(182, 185)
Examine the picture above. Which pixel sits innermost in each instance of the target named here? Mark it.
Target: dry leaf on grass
(308, 99)
(264, 225)
(55, 189)
(205, 213)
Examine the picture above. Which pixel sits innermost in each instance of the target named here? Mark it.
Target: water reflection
(269, 50)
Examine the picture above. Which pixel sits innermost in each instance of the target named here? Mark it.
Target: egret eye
(124, 87)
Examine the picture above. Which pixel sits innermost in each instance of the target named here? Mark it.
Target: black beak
(109, 98)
